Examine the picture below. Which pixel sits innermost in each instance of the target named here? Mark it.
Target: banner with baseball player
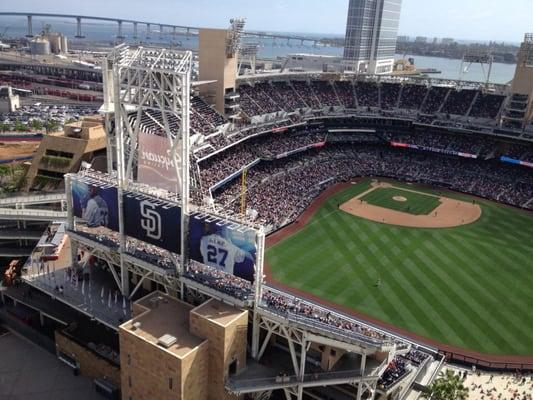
(225, 246)
(97, 205)
(153, 221)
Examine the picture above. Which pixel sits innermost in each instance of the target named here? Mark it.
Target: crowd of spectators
(288, 305)
(204, 118)
(434, 100)
(487, 106)
(367, 94)
(398, 368)
(345, 91)
(325, 93)
(219, 166)
(265, 97)
(459, 101)
(282, 189)
(413, 96)
(498, 386)
(464, 143)
(225, 283)
(390, 93)
(395, 371)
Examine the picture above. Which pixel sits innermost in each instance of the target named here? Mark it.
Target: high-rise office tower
(371, 32)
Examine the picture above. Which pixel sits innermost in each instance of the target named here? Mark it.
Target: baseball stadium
(287, 235)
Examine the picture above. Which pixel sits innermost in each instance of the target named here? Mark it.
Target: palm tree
(448, 387)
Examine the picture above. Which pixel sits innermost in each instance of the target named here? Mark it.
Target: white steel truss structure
(152, 80)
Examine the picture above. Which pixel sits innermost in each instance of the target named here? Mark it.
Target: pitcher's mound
(400, 199)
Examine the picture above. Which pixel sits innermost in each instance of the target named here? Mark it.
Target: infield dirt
(450, 213)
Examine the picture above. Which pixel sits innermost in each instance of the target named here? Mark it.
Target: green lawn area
(416, 204)
(469, 286)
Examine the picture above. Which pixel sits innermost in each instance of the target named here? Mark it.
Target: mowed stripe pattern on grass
(468, 286)
(416, 203)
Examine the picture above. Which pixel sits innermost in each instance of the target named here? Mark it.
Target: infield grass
(469, 286)
(415, 203)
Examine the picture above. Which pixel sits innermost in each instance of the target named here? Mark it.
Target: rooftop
(171, 317)
(218, 312)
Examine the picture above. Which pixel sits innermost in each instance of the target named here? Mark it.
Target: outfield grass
(416, 204)
(470, 286)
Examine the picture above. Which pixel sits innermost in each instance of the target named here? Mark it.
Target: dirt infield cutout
(449, 214)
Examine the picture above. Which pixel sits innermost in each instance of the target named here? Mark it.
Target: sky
(460, 19)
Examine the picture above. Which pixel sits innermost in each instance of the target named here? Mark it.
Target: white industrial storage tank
(40, 46)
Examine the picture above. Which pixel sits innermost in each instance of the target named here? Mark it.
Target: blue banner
(96, 205)
(516, 162)
(153, 221)
(227, 247)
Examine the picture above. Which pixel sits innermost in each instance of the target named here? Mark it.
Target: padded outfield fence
(486, 364)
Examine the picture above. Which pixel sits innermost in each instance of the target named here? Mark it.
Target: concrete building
(519, 108)
(217, 66)
(10, 102)
(63, 152)
(447, 41)
(371, 34)
(171, 350)
(313, 62)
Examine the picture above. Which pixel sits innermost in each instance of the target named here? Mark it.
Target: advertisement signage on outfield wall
(433, 150)
(156, 166)
(96, 205)
(227, 247)
(153, 222)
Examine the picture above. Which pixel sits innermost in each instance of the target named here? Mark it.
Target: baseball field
(468, 284)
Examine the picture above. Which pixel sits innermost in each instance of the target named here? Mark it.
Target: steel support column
(79, 35)
(120, 36)
(30, 26)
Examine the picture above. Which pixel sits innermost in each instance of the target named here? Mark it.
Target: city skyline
(481, 20)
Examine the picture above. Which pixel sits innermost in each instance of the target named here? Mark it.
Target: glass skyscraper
(371, 32)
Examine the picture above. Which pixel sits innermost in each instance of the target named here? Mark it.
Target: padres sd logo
(151, 220)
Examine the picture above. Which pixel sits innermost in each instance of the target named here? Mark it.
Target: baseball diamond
(467, 286)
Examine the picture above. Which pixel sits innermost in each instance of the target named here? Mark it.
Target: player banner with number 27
(224, 246)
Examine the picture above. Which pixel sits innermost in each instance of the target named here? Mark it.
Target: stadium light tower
(248, 52)
(483, 58)
(235, 32)
(150, 81)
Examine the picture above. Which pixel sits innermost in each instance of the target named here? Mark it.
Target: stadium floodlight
(248, 51)
(476, 56)
(235, 32)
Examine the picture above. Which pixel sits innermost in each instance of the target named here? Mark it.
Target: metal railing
(32, 215)
(244, 385)
(33, 199)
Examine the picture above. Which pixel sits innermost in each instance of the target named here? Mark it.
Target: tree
(4, 127)
(448, 387)
(37, 125)
(52, 126)
(20, 127)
